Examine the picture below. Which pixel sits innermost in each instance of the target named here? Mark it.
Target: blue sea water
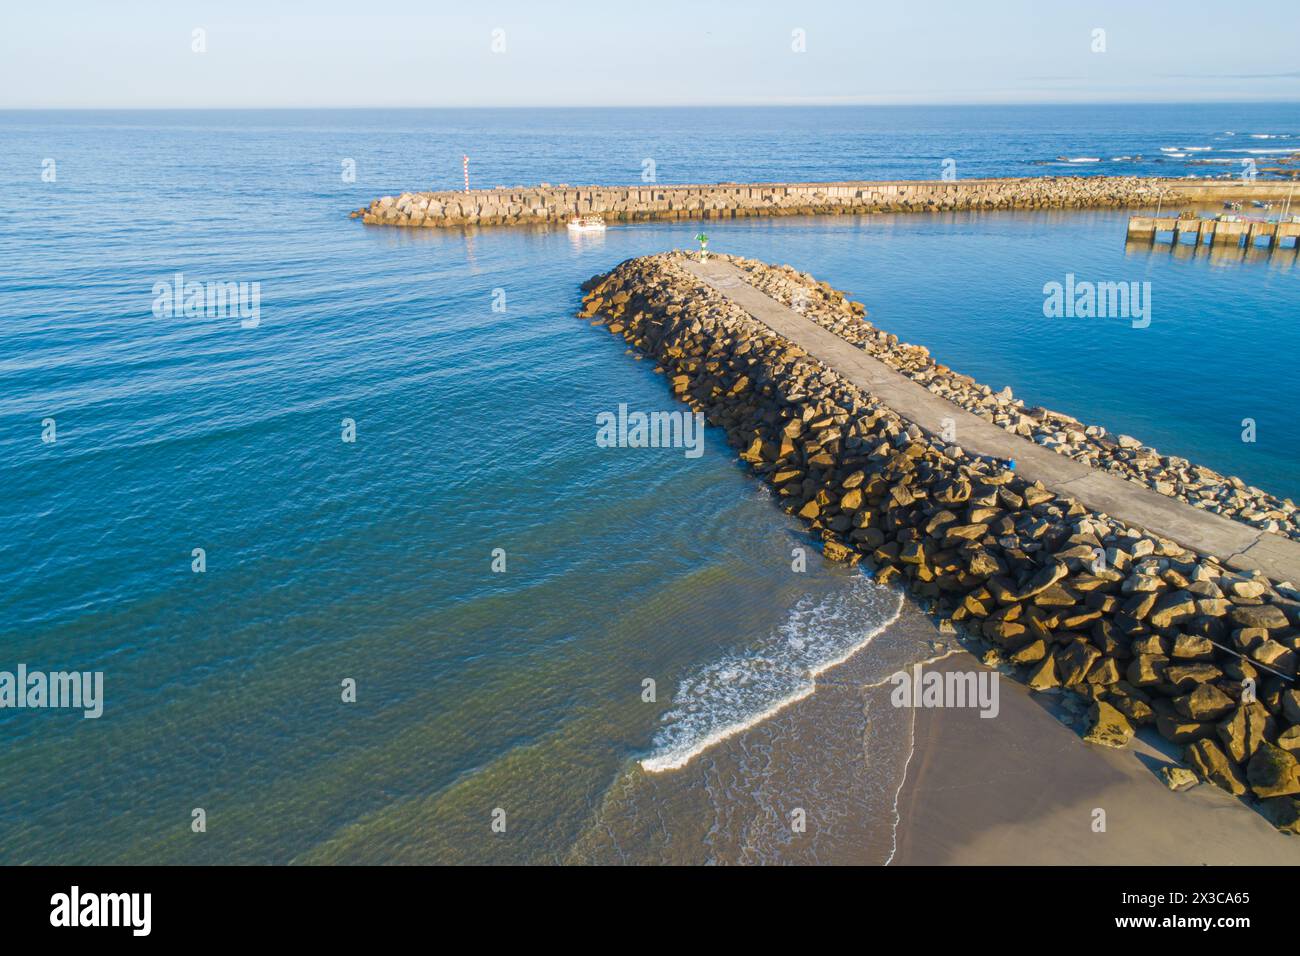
(372, 560)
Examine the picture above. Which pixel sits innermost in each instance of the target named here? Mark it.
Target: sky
(394, 53)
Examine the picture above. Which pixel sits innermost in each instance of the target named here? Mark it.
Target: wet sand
(1022, 788)
(835, 759)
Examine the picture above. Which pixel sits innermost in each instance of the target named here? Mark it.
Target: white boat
(587, 224)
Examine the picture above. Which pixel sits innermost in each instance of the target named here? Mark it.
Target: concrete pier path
(1237, 545)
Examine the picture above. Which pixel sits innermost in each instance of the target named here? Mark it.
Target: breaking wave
(742, 690)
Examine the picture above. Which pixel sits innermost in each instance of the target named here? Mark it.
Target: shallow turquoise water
(475, 431)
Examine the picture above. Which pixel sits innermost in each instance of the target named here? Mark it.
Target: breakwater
(521, 205)
(1092, 445)
(1134, 627)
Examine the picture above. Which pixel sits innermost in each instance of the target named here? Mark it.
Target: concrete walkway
(1237, 545)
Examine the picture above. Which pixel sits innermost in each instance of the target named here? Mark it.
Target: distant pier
(1232, 231)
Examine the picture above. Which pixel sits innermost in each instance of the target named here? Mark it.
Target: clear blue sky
(281, 53)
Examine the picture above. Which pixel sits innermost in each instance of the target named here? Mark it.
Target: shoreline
(1135, 629)
(839, 754)
(522, 205)
(677, 758)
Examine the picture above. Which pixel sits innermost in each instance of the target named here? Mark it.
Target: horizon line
(661, 106)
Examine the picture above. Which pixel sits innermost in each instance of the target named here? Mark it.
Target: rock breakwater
(1122, 455)
(1133, 629)
(520, 205)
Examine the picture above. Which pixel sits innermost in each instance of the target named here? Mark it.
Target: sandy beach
(1022, 788)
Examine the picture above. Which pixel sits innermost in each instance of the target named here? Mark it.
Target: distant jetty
(519, 205)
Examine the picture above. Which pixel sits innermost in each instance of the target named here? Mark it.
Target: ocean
(558, 651)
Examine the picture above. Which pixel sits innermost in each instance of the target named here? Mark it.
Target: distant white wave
(736, 693)
(1169, 149)
(1196, 149)
(1080, 159)
(1263, 152)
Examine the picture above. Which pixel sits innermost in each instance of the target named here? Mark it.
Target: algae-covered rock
(1282, 812)
(1273, 772)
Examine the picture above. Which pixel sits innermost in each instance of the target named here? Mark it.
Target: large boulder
(1135, 709)
(1179, 730)
(1031, 653)
(1190, 647)
(1289, 739)
(1210, 763)
(1074, 660)
(1043, 579)
(1282, 812)
(1173, 609)
(1275, 656)
(1259, 615)
(1107, 726)
(1205, 702)
(1105, 672)
(1186, 676)
(1244, 731)
(1147, 669)
(1178, 778)
(835, 551)
(1291, 706)
(1044, 676)
(1273, 772)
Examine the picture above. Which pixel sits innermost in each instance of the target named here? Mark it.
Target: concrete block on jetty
(524, 205)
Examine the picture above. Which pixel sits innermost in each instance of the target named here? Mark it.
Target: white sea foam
(1081, 159)
(742, 690)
